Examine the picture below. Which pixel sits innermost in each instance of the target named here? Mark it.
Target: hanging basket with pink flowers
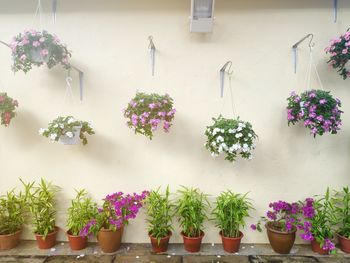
(147, 112)
(38, 48)
(7, 109)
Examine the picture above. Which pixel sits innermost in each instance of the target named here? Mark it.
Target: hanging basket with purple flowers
(318, 110)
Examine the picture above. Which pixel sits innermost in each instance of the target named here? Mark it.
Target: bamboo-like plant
(159, 210)
(191, 210)
(230, 212)
(341, 210)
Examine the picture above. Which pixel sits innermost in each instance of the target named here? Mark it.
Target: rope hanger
(226, 70)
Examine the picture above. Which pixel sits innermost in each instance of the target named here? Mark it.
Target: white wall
(109, 42)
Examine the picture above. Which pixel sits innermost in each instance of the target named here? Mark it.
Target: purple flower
(253, 226)
(323, 101)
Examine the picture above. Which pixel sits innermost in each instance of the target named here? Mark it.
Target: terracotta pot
(110, 241)
(281, 242)
(49, 241)
(344, 243)
(76, 242)
(162, 246)
(231, 244)
(316, 247)
(10, 241)
(193, 244)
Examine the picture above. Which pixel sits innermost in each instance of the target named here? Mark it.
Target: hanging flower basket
(340, 54)
(146, 112)
(7, 109)
(317, 109)
(67, 130)
(230, 137)
(35, 48)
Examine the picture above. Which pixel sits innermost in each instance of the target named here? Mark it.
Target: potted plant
(41, 202)
(230, 213)
(146, 112)
(340, 54)
(281, 224)
(7, 108)
(317, 109)
(111, 218)
(12, 217)
(230, 137)
(159, 210)
(67, 130)
(341, 210)
(35, 48)
(80, 212)
(317, 224)
(191, 210)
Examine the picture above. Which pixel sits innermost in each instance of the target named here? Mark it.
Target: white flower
(220, 138)
(245, 139)
(69, 134)
(214, 154)
(222, 130)
(238, 135)
(56, 125)
(232, 131)
(250, 157)
(249, 135)
(224, 146)
(41, 131)
(90, 124)
(239, 128)
(61, 126)
(71, 120)
(213, 143)
(245, 146)
(53, 136)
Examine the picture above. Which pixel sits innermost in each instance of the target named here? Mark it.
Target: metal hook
(151, 44)
(301, 40)
(229, 65)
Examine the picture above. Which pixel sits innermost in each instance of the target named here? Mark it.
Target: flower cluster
(38, 48)
(7, 109)
(283, 216)
(231, 137)
(317, 109)
(116, 212)
(67, 127)
(146, 112)
(339, 51)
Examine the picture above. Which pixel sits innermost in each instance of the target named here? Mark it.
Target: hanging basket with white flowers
(230, 137)
(67, 130)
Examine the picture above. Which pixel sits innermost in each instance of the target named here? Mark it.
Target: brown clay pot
(76, 242)
(316, 247)
(162, 246)
(10, 241)
(193, 244)
(231, 244)
(49, 241)
(344, 243)
(281, 242)
(110, 241)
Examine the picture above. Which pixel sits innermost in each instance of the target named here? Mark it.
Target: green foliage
(41, 202)
(341, 211)
(231, 137)
(191, 210)
(81, 211)
(7, 108)
(67, 126)
(159, 210)
(12, 212)
(230, 212)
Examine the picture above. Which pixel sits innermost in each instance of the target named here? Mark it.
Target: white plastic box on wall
(202, 16)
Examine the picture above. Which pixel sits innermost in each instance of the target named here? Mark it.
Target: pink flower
(2, 99)
(15, 103)
(134, 119)
(166, 126)
(23, 58)
(42, 40)
(44, 52)
(36, 44)
(345, 51)
(65, 60)
(152, 105)
(162, 114)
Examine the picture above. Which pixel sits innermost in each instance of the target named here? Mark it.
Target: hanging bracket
(225, 69)
(295, 49)
(54, 10)
(152, 50)
(335, 7)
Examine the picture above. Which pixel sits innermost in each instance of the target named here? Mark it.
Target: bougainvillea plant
(116, 211)
(231, 137)
(282, 217)
(35, 48)
(7, 108)
(318, 221)
(67, 126)
(339, 51)
(317, 109)
(146, 112)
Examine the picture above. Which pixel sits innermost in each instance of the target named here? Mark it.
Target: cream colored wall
(109, 42)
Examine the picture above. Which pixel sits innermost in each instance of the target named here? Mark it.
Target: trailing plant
(42, 206)
(317, 109)
(341, 211)
(230, 137)
(116, 211)
(35, 48)
(67, 127)
(146, 112)
(340, 54)
(80, 212)
(7, 108)
(191, 208)
(230, 212)
(159, 210)
(12, 212)
(282, 216)
(318, 221)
